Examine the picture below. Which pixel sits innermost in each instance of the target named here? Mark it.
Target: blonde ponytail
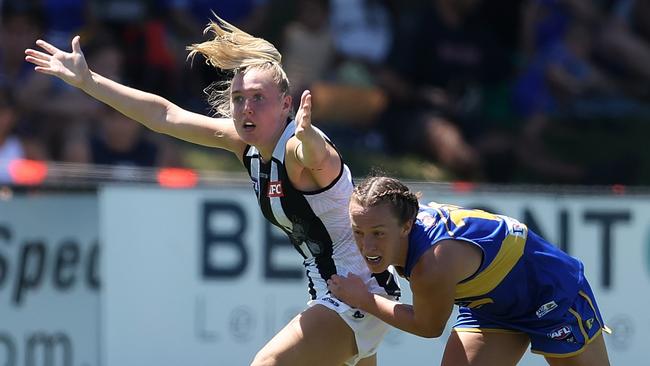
(234, 50)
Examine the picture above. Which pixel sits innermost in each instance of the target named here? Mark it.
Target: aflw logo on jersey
(275, 189)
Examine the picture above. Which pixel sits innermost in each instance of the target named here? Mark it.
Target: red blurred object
(27, 172)
(618, 189)
(177, 178)
(463, 187)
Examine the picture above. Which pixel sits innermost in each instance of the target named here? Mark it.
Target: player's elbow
(314, 160)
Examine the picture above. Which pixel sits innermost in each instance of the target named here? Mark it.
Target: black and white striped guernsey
(317, 222)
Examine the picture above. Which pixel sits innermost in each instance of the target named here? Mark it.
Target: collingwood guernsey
(317, 222)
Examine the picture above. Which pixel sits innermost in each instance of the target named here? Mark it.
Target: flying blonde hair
(234, 50)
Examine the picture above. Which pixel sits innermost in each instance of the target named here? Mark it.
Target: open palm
(70, 67)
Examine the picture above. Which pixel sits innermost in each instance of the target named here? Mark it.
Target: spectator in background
(143, 33)
(545, 22)
(19, 24)
(65, 18)
(13, 146)
(248, 15)
(558, 74)
(308, 49)
(363, 32)
(564, 83)
(347, 97)
(107, 137)
(118, 141)
(436, 82)
(563, 79)
(60, 114)
(624, 43)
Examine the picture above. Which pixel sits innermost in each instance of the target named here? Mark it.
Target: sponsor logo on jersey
(518, 229)
(590, 323)
(561, 333)
(331, 301)
(545, 309)
(358, 315)
(275, 189)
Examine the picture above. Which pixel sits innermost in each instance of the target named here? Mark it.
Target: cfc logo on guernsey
(275, 189)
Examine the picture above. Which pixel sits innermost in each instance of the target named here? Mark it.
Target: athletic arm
(433, 284)
(309, 149)
(433, 301)
(153, 111)
(163, 116)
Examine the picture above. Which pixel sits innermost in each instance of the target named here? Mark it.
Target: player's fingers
(37, 61)
(76, 47)
(302, 100)
(305, 108)
(46, 46)
(45, 70)
(37, 54)
(305, 98)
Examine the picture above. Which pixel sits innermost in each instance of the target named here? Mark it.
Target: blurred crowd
(491, 91)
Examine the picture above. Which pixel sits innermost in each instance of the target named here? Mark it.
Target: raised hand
(303, 116)
(70, 67)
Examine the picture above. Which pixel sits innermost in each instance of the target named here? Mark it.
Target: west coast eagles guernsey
(521, 277)
(317, 223)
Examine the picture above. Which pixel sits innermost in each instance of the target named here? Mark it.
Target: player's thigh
(484, 348)
(594, 354)
(318, 336)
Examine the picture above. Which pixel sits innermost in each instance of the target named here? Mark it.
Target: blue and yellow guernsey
(521, 276)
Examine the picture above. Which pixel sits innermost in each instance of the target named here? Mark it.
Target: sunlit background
(119, 246)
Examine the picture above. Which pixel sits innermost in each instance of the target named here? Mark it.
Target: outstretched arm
(309, 148)
(153, 111)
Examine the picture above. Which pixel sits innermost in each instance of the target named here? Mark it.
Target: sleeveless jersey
(521, 277)
(317, 222)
